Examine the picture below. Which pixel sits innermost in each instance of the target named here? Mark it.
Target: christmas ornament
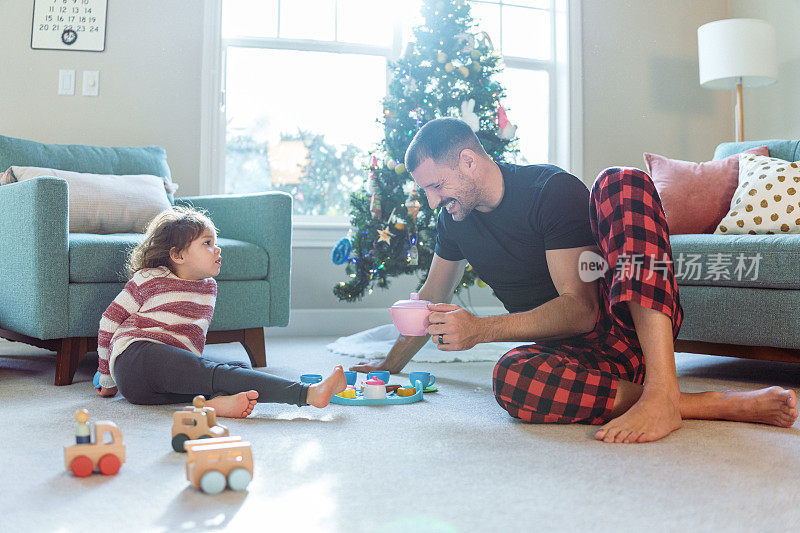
(341, 252)
(375, 206)
(480, 283)
(476, 66)
(449, 67)
(400, 168)
(385, 235)
(466, 41)
(469, 268)
(441, 57)
(507, 129)
(390, 163)
(399, 226)
(475, 54)
(464, 71)
(413, 208)
(468, 114)
(410, 87)
(484, 41)
(372, 184)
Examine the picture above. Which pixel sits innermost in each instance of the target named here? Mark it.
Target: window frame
(565, 133)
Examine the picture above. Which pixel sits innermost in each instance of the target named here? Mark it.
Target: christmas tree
(446, 71)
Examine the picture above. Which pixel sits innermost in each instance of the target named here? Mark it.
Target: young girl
(151, 337)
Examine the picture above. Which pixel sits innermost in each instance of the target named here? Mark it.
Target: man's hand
(370, 366)
(457, 328)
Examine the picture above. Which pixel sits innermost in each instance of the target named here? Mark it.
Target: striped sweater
(156, 306)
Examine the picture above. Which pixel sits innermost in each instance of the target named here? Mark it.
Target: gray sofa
(749, 315)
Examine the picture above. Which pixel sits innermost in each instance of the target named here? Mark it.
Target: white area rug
(376, 342)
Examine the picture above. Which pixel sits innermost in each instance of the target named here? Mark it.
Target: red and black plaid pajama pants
(575, 380)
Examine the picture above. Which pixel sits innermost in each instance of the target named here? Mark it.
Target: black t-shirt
(543, 208)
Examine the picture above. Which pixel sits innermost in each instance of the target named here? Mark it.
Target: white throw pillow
(100, 203)
(767, 199)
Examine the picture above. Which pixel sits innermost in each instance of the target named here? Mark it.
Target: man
(523, 229)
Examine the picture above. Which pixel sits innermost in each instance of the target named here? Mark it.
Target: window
(303, 82)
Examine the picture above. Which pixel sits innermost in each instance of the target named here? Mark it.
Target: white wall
(640, 88)
(773, 112)
(149, 83)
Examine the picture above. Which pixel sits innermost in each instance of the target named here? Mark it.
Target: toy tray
(391, 398)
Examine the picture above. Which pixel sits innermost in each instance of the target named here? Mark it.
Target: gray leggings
(152, 373)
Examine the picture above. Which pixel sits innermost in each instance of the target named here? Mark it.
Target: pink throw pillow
(696, 196)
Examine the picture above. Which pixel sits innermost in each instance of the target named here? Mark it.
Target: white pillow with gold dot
(767, 200)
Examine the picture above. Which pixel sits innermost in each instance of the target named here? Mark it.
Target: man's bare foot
(773, 405)
(654, 416)
(319, 394)
(236, 405)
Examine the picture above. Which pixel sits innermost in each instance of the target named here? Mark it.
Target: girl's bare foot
(319, 395)
(236, 405)
(653, 417)
(773, 405)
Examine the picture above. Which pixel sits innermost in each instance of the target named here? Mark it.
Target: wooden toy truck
(195, 422)
(83, 459)
(213, 463)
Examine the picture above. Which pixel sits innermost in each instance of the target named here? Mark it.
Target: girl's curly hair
(174, 228)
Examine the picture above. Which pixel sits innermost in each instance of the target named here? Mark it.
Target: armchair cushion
(101, 258)
(106, 203)
(83, 158)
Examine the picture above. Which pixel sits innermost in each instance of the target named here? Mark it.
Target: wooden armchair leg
(255, 346)
(70, 352)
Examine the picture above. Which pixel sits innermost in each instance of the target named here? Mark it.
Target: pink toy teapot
(374, 389)
(410, 317)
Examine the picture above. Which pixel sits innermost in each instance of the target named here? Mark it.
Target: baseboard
(341, 322)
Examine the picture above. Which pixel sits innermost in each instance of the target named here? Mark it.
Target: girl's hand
(107, 393)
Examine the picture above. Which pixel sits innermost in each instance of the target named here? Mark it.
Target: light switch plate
(91, 82)
(66, 82)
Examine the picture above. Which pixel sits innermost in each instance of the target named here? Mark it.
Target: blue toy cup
(311, 378)
(96, 380)
(426, 378)
(351, 377)
(382, 375)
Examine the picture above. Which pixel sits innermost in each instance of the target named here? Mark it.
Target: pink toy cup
(410, 317)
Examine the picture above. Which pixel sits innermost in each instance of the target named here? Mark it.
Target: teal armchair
(55, 285)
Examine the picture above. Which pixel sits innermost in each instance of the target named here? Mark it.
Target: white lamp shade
(737, 48)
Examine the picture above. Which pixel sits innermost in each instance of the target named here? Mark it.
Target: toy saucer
(430, 389)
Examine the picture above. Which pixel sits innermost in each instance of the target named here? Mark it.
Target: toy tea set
(410, 317)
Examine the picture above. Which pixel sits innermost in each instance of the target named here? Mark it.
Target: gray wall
(149, 83)
(640, 87)
(773, 112)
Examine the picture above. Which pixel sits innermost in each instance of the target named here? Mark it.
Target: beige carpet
(455, 462)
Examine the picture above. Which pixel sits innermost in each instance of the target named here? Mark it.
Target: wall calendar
(69, 25)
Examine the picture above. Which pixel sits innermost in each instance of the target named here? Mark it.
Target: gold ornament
(385, 235)
(400, 168)
(449, 67)
(476, 66)
(413, 208)
(391, 163)
(481, 283)
(476, 54)
(464, 71)
(400, 226)
(441, 57)
(469, 267)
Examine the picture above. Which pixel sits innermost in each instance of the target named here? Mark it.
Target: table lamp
(736, 53)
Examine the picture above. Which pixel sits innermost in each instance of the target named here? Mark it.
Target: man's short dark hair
(442, 140)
